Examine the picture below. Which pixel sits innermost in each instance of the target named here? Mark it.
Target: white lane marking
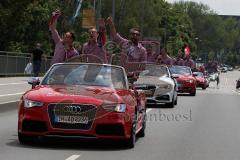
(73, 157)
(5, 95)
(6, 84)
(9, 102)
(148, 110)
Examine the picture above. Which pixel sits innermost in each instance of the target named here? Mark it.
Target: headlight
(165, 86)
(115, 107)
(30, 103)
(189, 81)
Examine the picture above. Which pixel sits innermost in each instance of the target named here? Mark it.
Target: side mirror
(195, 74)
(175, 76)
(131, 77)
(34, 82)
(130, 85)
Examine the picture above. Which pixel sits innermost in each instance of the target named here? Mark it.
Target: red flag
(187, 51)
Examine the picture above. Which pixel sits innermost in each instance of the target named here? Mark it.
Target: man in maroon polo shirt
(92, 49)
(64, 49)
(134, 50)
(165, 58)
(179, 61)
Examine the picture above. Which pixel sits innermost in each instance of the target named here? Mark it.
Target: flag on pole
(187, 51)
(78, 4)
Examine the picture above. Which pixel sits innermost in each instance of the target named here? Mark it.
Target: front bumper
(186, 87)
(166, 98)
(201, 84)
(105, 125)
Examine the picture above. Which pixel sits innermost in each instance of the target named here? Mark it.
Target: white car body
(158, 89)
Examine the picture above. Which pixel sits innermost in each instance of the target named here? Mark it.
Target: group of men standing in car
(132, 49)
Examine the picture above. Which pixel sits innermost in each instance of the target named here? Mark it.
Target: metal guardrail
(14, 63)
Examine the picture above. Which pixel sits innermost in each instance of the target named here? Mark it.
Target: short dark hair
(73, 35)
(134, 29)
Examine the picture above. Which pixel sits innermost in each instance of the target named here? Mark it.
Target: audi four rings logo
(73, 109)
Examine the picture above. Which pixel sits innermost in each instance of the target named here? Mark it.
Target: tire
(171, 104)
(24, 139)
(193, 93)
(130, 143)
(141, 133)
(175, 102)
(204, 88)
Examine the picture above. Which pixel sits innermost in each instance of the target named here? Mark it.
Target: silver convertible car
(158, 84)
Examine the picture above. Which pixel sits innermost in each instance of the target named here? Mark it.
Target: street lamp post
(113, 10)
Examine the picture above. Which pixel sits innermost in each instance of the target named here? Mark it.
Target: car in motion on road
(185, 79)
(201, 80)
(158, 85)
(83, 100)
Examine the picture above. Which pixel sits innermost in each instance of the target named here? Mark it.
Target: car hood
(200, 78)
(150, 80)
(185, 77)
(76, 94)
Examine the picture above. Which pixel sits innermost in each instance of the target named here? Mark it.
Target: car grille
(180, 81)
(148, 89)
(65, 110)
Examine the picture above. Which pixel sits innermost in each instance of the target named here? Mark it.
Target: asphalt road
(205, 127)
(12, 88)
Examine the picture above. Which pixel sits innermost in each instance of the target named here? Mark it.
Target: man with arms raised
(134, 51)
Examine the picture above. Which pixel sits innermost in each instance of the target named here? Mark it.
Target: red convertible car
(82, 100)
(185, 79)
(201, 80)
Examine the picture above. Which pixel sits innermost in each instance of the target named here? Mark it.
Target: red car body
(186, 82)
(92, 104)
(201, 82)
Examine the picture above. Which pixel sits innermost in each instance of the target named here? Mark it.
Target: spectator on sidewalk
(36, 58)
(64, 49)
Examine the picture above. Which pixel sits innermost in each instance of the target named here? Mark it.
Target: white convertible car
(158, 85)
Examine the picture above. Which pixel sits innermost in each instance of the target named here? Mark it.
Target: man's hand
(110, 23)
(54, 18)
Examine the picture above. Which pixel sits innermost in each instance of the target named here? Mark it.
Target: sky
(222, 7)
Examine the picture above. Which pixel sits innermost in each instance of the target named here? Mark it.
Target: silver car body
(158, 88)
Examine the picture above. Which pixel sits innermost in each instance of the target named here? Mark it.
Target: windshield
(199, 74)
(86, 74)
(155, 71)
(180, 70)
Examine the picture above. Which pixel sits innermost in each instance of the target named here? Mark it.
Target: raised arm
(111, 27)
(115, 36)
(53, 26)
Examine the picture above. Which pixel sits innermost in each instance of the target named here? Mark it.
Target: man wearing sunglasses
(132, 48)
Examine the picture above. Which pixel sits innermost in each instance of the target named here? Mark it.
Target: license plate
(71, 119)
(148, 93)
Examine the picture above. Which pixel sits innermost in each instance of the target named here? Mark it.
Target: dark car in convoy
(82, 100)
